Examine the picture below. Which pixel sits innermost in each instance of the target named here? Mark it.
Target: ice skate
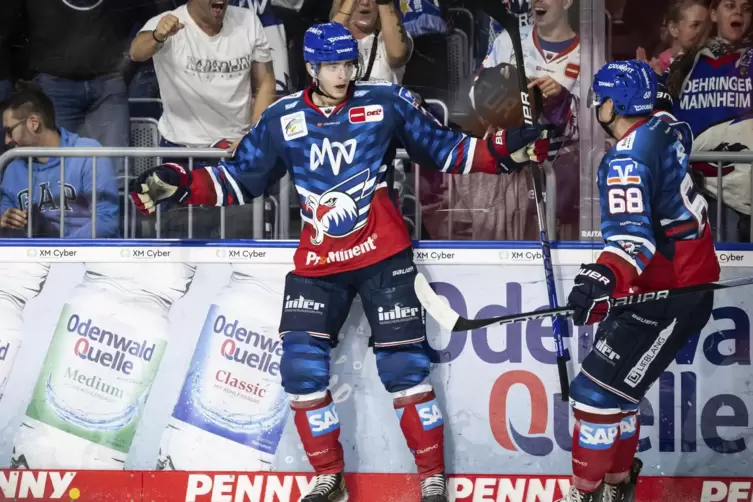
(434, 488)
(327, 488)
(625, 491)
(575, 495)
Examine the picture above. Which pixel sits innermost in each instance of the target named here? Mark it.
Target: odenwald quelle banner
(167, 357)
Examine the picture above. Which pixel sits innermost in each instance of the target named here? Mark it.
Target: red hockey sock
(627, 446)
(423, 427)
(319, 428)
(595, 443)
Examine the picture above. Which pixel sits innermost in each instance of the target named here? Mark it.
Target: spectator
(208, 57)
(29, 121)
(715, 89)
(11, 10)
(77, 50)
(685, 27)
(504, 209)
(383, 41)
(274, 28)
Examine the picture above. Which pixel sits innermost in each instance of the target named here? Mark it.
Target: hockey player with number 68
(657, 237)
(337, 140)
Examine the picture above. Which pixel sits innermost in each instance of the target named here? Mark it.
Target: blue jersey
(653, 219)
(77, 196)
(341, 164)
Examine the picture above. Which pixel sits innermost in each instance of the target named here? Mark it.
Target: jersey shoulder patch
(626, 144)
(285, 104)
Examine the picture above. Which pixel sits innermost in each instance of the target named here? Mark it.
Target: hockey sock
(627, 445)
(595, 441)
(423, 427)
(319, 428)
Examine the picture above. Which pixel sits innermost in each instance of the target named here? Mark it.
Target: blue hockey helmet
(631, 85)
(329, 42)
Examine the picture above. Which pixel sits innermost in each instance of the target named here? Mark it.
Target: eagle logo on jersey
(337, 212)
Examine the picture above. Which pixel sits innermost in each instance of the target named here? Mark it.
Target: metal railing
(718, 159)
(283, 205)
(94, 153)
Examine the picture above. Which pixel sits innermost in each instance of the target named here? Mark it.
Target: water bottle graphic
(21, 282)
(232, 409)
(99, 368)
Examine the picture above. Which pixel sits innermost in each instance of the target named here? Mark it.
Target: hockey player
(657, 236)
(337, 141)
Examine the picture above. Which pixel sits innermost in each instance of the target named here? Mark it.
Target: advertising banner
(167, 358)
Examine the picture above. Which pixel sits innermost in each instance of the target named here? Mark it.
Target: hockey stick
(450, 320)
(510, 23)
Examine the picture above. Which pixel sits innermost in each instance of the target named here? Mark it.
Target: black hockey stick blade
(450, 320)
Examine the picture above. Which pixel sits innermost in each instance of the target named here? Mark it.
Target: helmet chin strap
(606, 125)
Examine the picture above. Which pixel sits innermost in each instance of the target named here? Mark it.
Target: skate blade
(344, 496)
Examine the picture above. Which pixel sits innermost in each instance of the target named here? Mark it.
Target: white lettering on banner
(590, 233)
(231, 487)
(506, 489)
(27, 484)
(729, 491)
(344, 151)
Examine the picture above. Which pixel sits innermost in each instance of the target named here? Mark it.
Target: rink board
(142, 486)
(498, 386)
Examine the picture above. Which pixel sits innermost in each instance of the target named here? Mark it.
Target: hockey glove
(664, 101)
(513, 148)
(590, 296)
(158, 184)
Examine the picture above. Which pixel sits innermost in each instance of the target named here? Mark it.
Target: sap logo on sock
(323, 421)
(628, 427)
(429, 414)
(597, 436)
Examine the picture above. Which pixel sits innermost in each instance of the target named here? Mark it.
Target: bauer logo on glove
(513, 148)
(161, 183)
(590, 297)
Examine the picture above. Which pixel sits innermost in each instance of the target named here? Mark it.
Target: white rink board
(696, 422)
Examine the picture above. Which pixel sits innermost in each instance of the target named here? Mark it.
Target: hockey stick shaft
(449, 319)
(530, 116)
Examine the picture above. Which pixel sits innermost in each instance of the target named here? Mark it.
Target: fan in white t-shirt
(208, 57)
(370, 20)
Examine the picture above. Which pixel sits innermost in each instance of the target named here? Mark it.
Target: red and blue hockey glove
(167, 182)
(590, 296)
(514, 148)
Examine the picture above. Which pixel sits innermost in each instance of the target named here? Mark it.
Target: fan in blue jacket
(29, 121)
